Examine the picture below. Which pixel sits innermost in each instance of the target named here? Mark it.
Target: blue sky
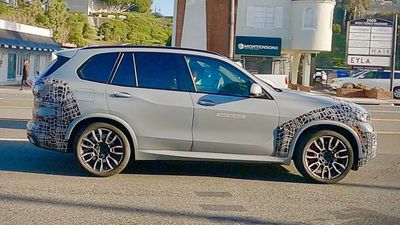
(165, 7)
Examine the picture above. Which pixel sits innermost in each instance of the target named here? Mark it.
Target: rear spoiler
(69, 53)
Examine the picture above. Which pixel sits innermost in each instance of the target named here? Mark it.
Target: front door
(226, 119)
(154, 99)
(12, 66)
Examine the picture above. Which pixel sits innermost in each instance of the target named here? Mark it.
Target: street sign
(258, 46)
(369, 43)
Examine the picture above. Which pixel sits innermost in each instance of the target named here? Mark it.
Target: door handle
(206, 103)
(121, 95)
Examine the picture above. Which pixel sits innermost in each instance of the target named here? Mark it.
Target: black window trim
(79, 70)
(114, 71)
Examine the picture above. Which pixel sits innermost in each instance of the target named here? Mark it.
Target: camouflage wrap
(55, 108)
(346, 113)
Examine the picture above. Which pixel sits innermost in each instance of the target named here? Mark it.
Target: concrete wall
(194, 33)
(282, 27)
(318, 37)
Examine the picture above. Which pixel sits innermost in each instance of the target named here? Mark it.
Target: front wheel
(102, 149)
(324, 157)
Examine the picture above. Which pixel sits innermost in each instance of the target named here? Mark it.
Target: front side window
(164, 71)
(216, 77)
(98, 68)
(125, 74)
(371, 75)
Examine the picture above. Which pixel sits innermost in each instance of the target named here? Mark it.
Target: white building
(20, 41)
(294, 28)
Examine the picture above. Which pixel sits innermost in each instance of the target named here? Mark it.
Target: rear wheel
(102, 149)
(324, 156)
(396, 92)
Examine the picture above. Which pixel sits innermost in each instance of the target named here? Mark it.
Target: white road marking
(383, 111)
(386, 120)
(15, 107)
(388, 132)
(14, 139)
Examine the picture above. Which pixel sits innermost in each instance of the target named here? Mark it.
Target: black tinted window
(216, 77)
(162, 71)
(98, 68)
(125, 74)
(54, 66)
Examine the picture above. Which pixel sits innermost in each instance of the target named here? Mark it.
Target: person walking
(25, 72)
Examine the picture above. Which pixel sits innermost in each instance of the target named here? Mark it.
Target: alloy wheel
(101, 149)
(326, 157)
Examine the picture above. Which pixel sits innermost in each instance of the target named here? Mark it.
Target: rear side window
(98, 68)
(54, 66)
(125, 74)
(163, 71)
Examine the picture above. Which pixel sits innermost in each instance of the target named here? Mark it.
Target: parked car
(275, 80)
(109, 105)
(370, 79)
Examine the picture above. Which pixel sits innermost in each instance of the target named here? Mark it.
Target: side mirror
(256, 90)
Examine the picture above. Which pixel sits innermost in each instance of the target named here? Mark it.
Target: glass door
(11, 71)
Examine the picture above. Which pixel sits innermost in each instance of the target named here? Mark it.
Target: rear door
(149, 90)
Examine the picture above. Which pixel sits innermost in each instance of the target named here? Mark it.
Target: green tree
(114, 30)
(336, 28)
(56, 19)
(356, 8)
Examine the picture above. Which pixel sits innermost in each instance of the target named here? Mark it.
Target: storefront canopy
(14, 39)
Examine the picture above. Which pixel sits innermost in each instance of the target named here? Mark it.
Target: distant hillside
(116, 28)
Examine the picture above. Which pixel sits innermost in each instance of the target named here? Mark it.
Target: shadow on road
(13, 124)
(20, 156)
(137, 210)
(248, 171)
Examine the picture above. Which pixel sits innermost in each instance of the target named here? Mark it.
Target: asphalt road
(44, 187)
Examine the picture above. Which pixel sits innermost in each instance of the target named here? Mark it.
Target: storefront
(19, 42)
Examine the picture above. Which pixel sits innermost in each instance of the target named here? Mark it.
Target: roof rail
(156, 47)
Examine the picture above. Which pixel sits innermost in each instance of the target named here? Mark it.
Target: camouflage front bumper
(369, 143)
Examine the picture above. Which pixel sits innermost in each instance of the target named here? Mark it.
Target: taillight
(286, 80)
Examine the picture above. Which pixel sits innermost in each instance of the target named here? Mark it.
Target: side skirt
(206, 156)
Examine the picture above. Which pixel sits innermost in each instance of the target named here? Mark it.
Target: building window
(308, 18)
(264, 17)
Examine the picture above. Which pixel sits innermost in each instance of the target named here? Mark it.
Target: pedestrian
(25, 72)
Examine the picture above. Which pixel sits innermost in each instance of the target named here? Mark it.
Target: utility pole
(232, 30)
(394, 48)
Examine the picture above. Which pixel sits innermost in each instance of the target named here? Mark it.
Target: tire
(321, 165)
(348, 85)
(102, 149)
(396, 92)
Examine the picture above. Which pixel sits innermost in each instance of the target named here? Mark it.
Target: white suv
(370, 79)
(109, 105)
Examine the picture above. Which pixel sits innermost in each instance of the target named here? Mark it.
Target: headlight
(364, 117)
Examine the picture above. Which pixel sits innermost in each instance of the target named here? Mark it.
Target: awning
(14, 39)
